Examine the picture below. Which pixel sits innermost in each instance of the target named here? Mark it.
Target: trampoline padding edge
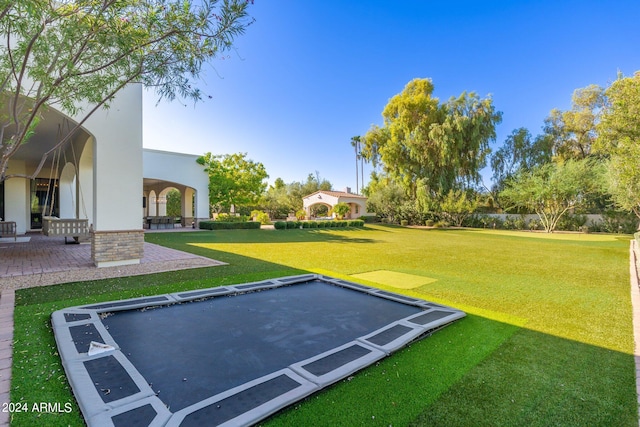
(354, 356)
(269, 394)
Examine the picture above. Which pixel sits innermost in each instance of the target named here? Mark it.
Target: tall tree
(553, 189)
(573, 132)
(619, 139)
(356, 144)
(234, 180)
(518, 152)
(66, 54)
(438, 146)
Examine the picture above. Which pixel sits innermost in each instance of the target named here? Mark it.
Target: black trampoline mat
(193, 350)
(231, 355)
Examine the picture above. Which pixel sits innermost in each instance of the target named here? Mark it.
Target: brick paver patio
(48, 260)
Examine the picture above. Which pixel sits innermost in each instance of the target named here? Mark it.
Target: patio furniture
(8, 228)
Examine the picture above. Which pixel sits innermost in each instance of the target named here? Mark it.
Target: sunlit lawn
(548, 339)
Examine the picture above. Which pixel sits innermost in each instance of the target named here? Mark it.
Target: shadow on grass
(536, 379)
(338, 235)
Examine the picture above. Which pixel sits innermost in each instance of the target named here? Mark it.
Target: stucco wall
(16, 198)
(181, 169)
(117, 162)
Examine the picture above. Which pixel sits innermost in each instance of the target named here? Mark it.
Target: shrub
(404, 222)
(619, 222)
(261, 217)
(429, 223)
(280, 225)
(313, 224)
(301, 214)
(225, 217)
(368, 218)
(218, 225)
(520, 223)
(341, 209)
(509, 224)
(322, 224)
(293, 224)
(571, 222)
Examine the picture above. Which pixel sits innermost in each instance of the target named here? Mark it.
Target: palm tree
(355, 143)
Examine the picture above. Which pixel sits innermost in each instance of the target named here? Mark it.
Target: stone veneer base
(121, 247)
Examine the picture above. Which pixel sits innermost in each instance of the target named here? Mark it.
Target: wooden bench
(8, 228)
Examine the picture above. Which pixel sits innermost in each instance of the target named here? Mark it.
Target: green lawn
(547, 340)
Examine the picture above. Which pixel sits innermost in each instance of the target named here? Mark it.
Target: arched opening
(319, 210)
(173, 198)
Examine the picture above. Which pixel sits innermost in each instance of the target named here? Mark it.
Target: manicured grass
(548, 339)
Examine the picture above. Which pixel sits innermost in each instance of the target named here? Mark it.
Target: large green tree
(553, 189)
(619, 139)
(423, 142)
(573, 132)
(234, 180)
(276, 201)
(518, 152)
(385, 197)
(67, 54)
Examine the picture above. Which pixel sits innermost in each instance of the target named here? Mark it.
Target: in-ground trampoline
(231, 355)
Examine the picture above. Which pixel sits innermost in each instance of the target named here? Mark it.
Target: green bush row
(218, 225)
(225, 217)
(282, 225)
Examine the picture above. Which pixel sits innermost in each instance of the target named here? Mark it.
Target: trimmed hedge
(219, 225)
(293, 224)
(284, 225)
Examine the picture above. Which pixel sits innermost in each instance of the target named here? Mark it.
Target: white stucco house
(356, 202)
(103, 178)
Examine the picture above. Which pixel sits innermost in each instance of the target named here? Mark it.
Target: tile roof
(337, 194)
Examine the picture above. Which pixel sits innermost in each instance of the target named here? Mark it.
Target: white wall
(117, 162)
(17, 192)
(182, 169)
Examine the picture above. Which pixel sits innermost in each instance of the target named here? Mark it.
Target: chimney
(347, 190)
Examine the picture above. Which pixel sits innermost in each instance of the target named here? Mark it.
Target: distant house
(356, 202)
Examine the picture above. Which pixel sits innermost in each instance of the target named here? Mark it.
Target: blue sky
(309, 75)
